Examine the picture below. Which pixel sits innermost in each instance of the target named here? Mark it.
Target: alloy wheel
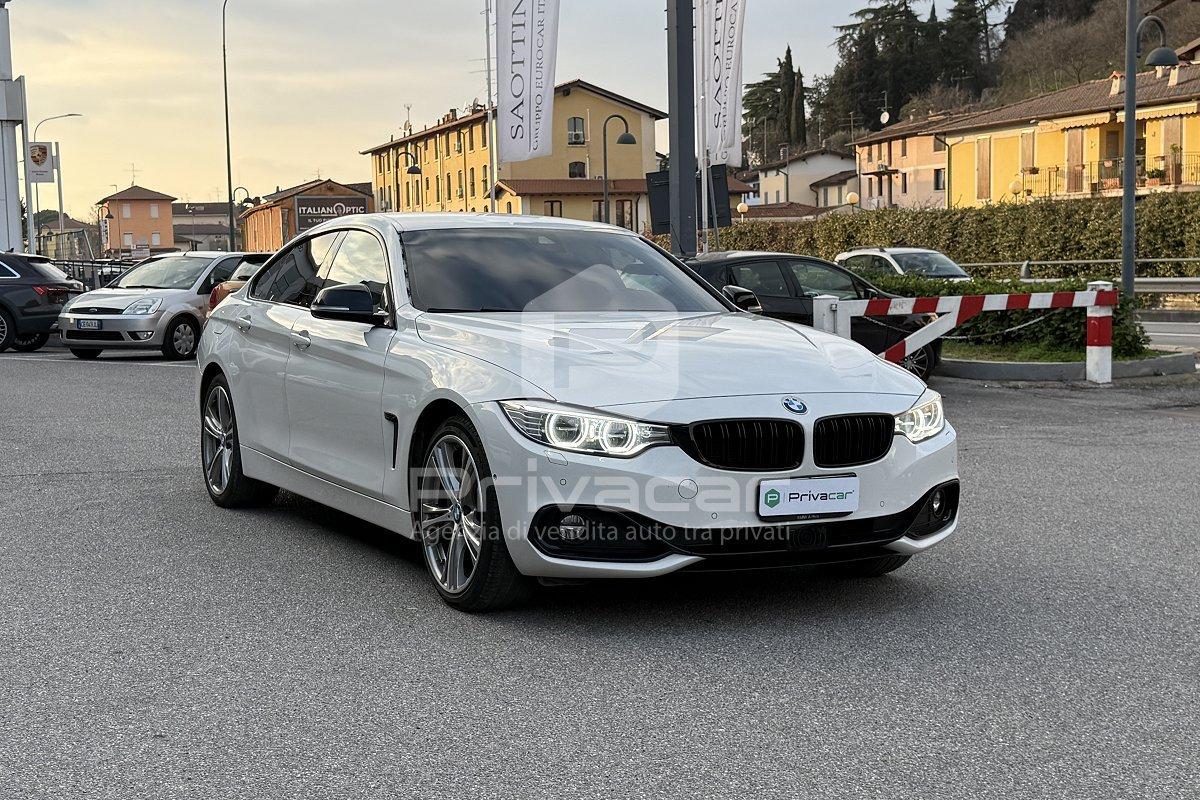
(218, 439)
(917, 363)
(184, 339)
(451, 516)
(3, 328)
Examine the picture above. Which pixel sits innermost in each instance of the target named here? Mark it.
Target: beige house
(904, 165)
(791, 179)
(136, 219)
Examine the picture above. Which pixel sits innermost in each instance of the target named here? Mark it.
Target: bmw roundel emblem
(795, 405)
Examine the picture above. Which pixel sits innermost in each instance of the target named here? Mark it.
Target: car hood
(601, 359)
(120, 298)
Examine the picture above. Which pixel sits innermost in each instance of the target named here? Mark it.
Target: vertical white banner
(526, 53)
(722, 24)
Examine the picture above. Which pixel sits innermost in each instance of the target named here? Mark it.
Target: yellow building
(1070, 143)
(454, 156)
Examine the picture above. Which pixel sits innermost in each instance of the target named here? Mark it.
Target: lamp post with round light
(624, 138)
(1136, 27)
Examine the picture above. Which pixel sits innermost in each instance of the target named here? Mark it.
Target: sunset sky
(312, 83)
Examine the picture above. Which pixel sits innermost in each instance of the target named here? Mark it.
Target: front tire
(182, 336)
(458, 520)
(30, 342)
(922, 362)
(221, 455)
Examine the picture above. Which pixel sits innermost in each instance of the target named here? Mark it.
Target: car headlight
(582, 431)
(147, 305)
(924, 420)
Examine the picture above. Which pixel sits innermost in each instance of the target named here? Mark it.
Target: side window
(816, 278)
(361, 259)
(293, 279)
(222, 272)
(881, 267)
(761, 277)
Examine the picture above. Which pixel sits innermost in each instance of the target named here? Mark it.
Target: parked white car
(873, 263)
(542, 398)
(159, 304)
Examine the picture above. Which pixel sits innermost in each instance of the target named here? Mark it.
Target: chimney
(1118, 84)
(1174, 80)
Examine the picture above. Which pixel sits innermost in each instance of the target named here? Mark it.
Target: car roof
(741, 255)
(397, 221)
(888, 250)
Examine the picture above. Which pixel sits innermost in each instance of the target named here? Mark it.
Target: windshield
(245, 271)
(173, 272)
(932, 264)
(504, 269)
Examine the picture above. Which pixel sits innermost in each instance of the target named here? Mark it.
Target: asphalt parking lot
(157, 646)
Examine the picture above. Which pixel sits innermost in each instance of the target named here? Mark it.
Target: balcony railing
(1099, 177)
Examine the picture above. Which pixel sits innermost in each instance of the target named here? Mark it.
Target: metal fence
(1181, 285)
(94, 274)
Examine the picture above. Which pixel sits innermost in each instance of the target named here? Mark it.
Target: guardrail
(93, 274)
(1140, 286)
(834, 315)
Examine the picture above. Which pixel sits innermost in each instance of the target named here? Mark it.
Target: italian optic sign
(526, 53)
(312, 211)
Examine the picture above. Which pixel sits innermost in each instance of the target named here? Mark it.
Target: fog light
(573, 528)
(938, 503)
(141, 336)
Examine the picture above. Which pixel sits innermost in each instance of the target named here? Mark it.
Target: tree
(799, 122)
(787, 94)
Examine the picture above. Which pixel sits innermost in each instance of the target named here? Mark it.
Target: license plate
(87, 324)
(802, 497)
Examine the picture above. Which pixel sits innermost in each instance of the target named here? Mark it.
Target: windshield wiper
(141, 286)
(484, 310)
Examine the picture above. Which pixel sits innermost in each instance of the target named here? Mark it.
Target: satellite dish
(885, 118)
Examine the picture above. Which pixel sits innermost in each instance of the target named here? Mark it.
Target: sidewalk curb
(1176, 364)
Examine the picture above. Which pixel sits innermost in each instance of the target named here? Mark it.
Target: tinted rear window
(48, 271)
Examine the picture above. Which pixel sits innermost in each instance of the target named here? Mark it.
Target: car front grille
(78, 310)
(853, 439)
(763, 445)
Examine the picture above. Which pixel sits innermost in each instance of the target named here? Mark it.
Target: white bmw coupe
(536, 398)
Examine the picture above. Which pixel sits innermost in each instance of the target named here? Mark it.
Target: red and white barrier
(833, 315)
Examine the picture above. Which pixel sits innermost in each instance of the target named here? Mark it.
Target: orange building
(137, 219)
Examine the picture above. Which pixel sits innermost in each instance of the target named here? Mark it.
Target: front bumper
(116, 331)
(666, 488)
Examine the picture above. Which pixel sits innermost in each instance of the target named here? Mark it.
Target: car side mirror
(744, 299)
(349, 302)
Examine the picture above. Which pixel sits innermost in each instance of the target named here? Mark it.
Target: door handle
(300, 340)
(243, 324)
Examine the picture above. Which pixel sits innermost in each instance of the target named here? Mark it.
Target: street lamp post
(228, 142)
(624, 138)
(1136, 27)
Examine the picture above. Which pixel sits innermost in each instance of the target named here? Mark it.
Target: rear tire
(221, 453)
(30, 343)
(467, 533)
(86, 355)
(8, 330)
(182, 336)
(870, 567)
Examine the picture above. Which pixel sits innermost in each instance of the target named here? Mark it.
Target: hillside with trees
(913, 58)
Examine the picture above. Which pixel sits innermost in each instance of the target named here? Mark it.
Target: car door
(817, 278)
(262, 325)
(766, 279)
(335, 377)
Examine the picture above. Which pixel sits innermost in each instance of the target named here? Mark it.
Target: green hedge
(1046, 230)
(1061, 329)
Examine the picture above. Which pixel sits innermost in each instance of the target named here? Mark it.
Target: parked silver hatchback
(159, 304)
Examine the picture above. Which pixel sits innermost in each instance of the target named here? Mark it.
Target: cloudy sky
(312, 82)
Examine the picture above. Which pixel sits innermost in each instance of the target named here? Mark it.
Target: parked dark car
(786, 284)
(32, 293)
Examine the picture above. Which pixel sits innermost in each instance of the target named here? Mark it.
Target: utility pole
(13, 113)
(681, 77)
(493, 145)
